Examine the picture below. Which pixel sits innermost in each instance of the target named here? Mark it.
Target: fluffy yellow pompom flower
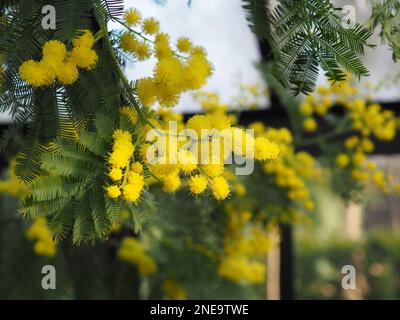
(128, 43)
(137, 167)
(169, 71)
(310, 124)
(113, 192)
(198, 122)
(358, 158)
(132, 192)
(198, 71)
(197, 184)
(151, 26)
(174, 290)
(184, 45)
(119, 159)
(146, 266)
(132, 251)
(220, 188)
(212, 170)
(342, 160)
(309, 205)
(265, 150)
(55, 49)
(123, 149)
(171, 183)
(45, 248)
(67, 73)
(142, 51)
(131, 113)
(136, 179)
(132, 17)
(166, 97)
(243, 142)
(162, 47)
(84, 57)
(115, 174)
(367, 145)
(240, 268)
(39, 230)
(50, 65)
(351, 142)
(219, 121)
(359, 175)
(36, 73)
(198, 51)
(240, 189)
(84, 40)
(187, 161)
(146, 91)
(306, 108)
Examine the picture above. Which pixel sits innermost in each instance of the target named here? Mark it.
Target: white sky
(220, 26)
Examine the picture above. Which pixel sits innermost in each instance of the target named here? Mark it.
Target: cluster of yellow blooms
(13, 186)
(251, 96)
(173, 73)
(245, 247)
(362, 169)
(39, 232)
(125, 173)
(210, 102)
(59, 63)
(294, 168)
(174, 290)
(203, 162)
(326, 98)
(193, 162)
(131, 250)
(367, 119)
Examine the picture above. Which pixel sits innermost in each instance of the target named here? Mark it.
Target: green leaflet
(69, 188)
(305, 35)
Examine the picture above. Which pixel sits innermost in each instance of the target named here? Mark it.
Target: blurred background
(364, 234)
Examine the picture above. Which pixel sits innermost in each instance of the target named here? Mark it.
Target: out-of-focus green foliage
(376, 258)
(386, 15)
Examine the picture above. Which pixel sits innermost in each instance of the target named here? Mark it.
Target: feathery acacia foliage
(386, 14)
(54, 111)
(306, 35)
(257, 17)
(70, 192)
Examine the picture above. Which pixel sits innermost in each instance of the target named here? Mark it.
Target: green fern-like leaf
(257, 17)
(386, 14)
(307, 34)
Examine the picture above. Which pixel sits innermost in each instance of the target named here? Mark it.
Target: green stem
(139, 34)
(125, 81)
(318, 139)
(154, 176)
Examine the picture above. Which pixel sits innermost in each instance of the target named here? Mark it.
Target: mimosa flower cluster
(293, 170)
(40, 233)
(246, 244)
(174, 290)
(195, 162)
(132, 251)
(366, 118)
(175, 72)
(202, 166)
(354, 158)
(368, 121)
(13, 186)
(125, 173)
(58, 63)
